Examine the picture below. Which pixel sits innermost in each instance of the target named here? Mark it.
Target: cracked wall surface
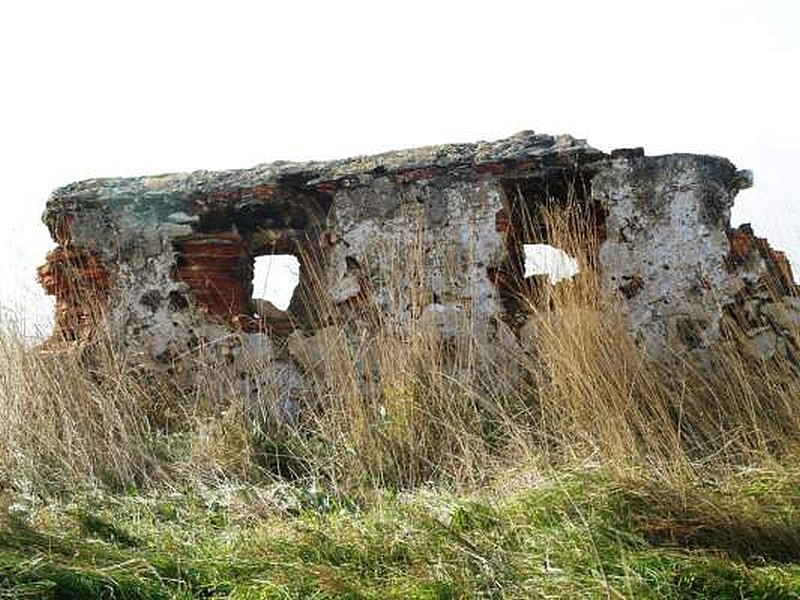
(432, 233)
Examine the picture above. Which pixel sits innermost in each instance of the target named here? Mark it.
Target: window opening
(275, 278)
(544, 259)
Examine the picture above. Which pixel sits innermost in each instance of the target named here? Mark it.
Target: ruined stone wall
(433, 233)
(667, 236)
(677, 268)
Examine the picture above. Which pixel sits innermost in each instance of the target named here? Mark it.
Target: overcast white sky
(108, 88)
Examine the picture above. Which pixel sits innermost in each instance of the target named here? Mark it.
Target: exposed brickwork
(746, 247)
(80, 283)
(217, 271)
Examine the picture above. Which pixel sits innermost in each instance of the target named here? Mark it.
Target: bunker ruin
(167, 261)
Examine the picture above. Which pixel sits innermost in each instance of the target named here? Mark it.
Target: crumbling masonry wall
(166, 262)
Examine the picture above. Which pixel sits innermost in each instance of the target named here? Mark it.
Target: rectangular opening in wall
(275, 278)
(254, 255)
(553, 233)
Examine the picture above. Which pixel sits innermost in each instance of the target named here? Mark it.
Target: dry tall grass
(400, 405)
(65, 420)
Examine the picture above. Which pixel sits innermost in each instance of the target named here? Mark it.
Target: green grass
(577, 535)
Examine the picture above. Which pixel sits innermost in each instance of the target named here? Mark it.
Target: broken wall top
(162, 198)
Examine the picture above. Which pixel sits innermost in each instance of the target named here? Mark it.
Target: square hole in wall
(544, 259)
(552, 225)
(275, 277)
